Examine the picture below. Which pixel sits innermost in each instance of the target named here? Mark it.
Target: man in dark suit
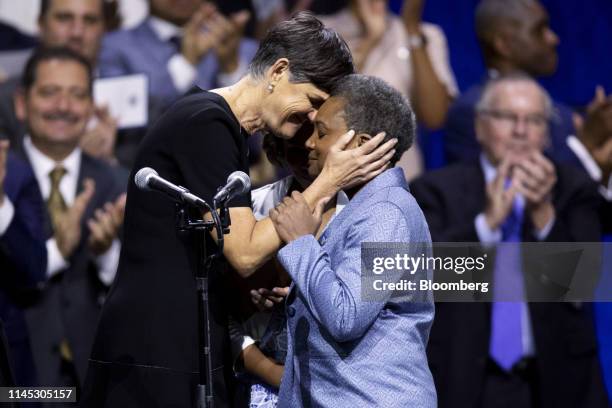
(23, 258)
(83, 213)
(512, 193)
(180, 45)
(515, 36)
(78, 25)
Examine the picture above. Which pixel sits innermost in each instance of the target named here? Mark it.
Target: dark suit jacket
(67, 307)
(460, 140)
(567, 364)
(10, 127)
(13, 39)
(23, 260)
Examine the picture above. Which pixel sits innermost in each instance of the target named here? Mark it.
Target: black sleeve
(23, 243)
(606, 215)
(579, 221)
(434, 205)
(208, 152)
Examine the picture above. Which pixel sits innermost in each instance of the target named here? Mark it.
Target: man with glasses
(512, 354)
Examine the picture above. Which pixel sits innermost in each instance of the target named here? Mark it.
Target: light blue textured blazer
(344, 351)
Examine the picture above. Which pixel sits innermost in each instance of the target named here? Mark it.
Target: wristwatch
(416, 42)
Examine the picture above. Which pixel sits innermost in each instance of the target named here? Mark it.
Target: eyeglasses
(510, 120)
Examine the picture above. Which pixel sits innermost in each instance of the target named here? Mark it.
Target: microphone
(237, 183)
(148, 179)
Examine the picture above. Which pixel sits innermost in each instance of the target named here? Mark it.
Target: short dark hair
(373, 106)
(44, 8)
(492, 15)
(53, 53)
(46, 4)
(316, 54)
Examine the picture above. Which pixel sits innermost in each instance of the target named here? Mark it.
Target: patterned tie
(506, 347)
(56, 204)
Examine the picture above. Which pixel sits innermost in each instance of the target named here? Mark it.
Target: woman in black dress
(146, 349)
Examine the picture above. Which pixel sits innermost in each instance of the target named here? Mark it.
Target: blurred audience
(179, 45)
(23, 259)
(84, 213)
(14, 49)
(79, 25)
(515, 36)
(512, 353)
(410, 55)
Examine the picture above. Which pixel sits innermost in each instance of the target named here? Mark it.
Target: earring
(270, 87)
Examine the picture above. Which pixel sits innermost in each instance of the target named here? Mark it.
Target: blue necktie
(506, 347)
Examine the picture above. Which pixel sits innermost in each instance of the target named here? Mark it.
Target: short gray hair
(488, 93)
(373, 106)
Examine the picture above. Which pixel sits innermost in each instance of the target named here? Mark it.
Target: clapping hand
(209, 30)
(412, 14)
(499, 197)
(596, 128)
(99, 141)
(68, 224)
(105, 225)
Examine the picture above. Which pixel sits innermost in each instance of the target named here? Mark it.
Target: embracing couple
(343, 350)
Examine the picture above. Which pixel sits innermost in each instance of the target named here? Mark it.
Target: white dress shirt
(591, 166)
(42, 165)
(490, 237)
(7, 212)
(181, 71)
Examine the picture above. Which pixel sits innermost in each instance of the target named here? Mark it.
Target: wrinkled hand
(412, 15)
(105, 225)
(265, 299)
(68, 225)
(209, 30)
(535, 178)
(344, 169)
(228, 33)
(372, 14)
(498, 197)
(596, 128)
(4, 146)
(293, 219)
(99, 141)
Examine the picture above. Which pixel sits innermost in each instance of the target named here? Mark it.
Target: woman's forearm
(256, 363)
(430, 97)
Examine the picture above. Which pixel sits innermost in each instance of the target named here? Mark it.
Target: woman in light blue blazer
(350, 346)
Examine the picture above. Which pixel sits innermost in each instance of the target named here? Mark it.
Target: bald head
(512, 117)
(515, 35)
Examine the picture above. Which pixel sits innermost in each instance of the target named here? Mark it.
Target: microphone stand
(198, 228)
